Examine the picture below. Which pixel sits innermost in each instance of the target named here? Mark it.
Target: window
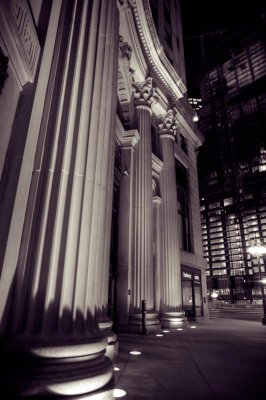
(228, 201)
(183, 217)
(249, 106)
(183, 206)
(183, 143)
(214, 205)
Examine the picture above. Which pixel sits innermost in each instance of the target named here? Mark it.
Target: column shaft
(171, 293)
(60, 267)
(143, 263)
(158, 250)
(143, 268)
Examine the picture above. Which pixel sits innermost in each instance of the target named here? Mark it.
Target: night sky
(211, 17)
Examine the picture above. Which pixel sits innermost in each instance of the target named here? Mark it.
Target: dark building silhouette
(232, 164)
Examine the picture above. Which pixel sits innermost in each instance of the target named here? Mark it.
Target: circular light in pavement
(116, 369)
(135, 352)
(119, 393)
(179, 329)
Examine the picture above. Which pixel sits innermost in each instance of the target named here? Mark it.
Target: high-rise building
(99, 204)
(232, 165)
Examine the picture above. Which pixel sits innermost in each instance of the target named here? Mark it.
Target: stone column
(125, 230)
(157, 202)
(143, 269)
(53, 345)
(103, 186)
(171, 314)
(157, 165)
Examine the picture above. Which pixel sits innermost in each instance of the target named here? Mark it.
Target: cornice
(153, 50)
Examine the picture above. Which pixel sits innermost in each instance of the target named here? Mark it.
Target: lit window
(228, 201)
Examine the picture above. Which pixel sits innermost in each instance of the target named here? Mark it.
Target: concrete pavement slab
(220, 359)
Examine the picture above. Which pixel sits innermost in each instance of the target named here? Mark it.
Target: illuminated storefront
(192, 292)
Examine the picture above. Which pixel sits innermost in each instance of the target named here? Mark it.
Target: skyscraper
(232, 164)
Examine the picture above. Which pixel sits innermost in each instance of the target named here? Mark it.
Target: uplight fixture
(119, 393)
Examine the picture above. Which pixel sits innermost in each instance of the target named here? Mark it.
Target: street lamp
(214, 294)
(258, 249)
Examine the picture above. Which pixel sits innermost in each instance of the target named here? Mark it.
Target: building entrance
(191, 293)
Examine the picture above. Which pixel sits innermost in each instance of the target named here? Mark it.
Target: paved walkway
(220, 359)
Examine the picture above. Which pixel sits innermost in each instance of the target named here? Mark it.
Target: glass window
(183, 143)
(228, 201)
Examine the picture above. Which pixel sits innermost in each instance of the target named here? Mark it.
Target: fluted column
(157, 203)
(57, 299)
(103, 186)
(171, 313)
(143, 268)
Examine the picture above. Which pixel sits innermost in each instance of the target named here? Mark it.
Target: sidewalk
(220, 359)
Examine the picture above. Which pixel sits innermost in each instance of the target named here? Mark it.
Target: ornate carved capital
(144, 92)
(168, 123)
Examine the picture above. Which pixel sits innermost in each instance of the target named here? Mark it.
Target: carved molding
(126, 3)
(126, 139)
(125, 50)
(125, 78)
(154, 52)
(20, 38)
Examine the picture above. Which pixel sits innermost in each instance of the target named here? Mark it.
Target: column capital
(144, 93)
(167, 124)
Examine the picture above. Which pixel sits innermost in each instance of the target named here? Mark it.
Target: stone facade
(90, 134)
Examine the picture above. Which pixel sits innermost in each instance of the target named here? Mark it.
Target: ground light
(116, 369)
(179, 329)
(193, 326)
(119, 393)
(135, 352)
(166, 331)
(159, 334)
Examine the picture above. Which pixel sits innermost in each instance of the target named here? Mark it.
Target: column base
(45, 370)
(173, 319)
(152, 323)
(105, 326)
